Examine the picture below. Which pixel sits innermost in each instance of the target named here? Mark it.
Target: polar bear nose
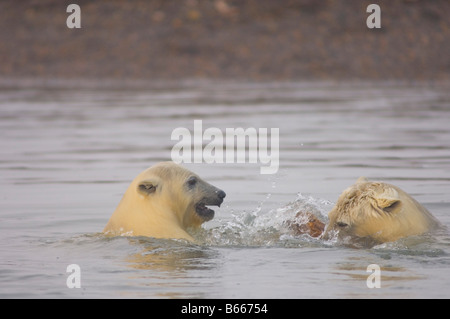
(221, 194)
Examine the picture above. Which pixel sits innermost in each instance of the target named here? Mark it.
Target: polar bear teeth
(204, 211)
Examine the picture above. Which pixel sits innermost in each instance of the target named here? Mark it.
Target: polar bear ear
(388, 199)
(362, 179)
(147, 187)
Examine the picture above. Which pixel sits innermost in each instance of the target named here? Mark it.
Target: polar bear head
(164, 201)
(368, 213)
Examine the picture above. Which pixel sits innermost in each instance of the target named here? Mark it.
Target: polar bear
(164, 201)
(370, 213)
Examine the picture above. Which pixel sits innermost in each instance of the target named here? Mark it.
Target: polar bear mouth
(204, 212)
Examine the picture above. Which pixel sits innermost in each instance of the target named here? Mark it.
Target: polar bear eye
(192, 181)
(341, 224)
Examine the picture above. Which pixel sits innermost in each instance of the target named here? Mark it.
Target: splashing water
(259, 228)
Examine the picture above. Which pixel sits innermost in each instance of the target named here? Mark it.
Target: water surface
(68, 155)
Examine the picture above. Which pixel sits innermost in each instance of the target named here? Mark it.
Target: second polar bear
(375, 212)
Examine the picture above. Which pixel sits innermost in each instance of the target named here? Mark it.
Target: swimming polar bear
(164, 201)
(376, 212)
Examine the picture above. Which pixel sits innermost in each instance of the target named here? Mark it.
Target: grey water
(67, 155)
